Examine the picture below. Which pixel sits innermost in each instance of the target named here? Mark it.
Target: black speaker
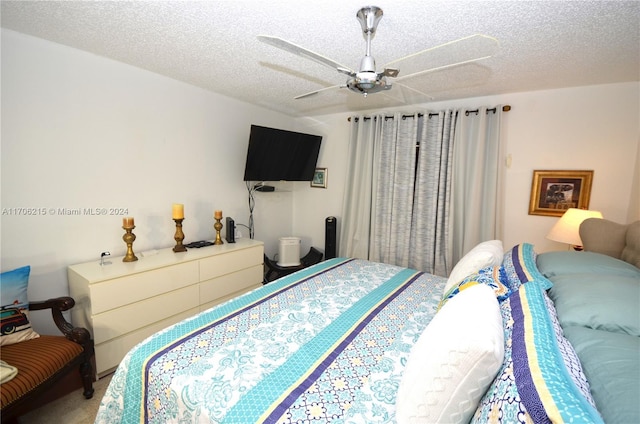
(231, 230)
(330, 237)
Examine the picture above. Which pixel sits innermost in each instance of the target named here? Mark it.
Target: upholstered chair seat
(43, 361)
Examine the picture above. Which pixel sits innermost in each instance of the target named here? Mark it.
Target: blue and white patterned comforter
(326, 344)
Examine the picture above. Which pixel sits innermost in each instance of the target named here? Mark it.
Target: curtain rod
(505, 108)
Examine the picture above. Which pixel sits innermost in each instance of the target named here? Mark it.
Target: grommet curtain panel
(476, 206)
(422, 189)
(355, 234)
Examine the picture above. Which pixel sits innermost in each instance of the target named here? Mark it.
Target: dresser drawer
(111, 294)
(231, 283)
(115, 322)
(110, 353)
(227, 263)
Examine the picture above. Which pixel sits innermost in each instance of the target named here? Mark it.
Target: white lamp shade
(566, 230)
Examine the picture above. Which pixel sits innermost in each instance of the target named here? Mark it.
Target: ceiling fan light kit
(366, 80)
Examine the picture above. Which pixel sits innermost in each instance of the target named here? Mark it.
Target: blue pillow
(14, 311)
(610, 361)
(601, 302)
(552, 264)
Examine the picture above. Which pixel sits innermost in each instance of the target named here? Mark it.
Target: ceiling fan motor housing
(366, 80)
(368, 64)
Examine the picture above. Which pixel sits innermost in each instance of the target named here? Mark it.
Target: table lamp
(566, 230)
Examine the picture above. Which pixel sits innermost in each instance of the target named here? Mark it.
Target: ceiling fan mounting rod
(368, 50)
(369, 17)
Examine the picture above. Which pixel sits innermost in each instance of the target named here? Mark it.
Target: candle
(127, 222)
(178, 211)
(217, 214)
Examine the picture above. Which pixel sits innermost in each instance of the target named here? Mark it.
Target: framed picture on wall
(553, 192)
(319, 178)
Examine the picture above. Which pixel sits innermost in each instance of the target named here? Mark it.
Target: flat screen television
(280, 155)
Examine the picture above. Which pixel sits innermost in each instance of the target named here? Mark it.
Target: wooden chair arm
(63, 303)
(58, 305)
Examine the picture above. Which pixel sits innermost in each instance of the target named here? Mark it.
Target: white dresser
(124, 302)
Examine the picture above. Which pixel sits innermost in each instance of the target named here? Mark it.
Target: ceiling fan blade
(302, 52)
(407, 95)
(391, 72)
(347, 72)
(464, 50)
(313, 93)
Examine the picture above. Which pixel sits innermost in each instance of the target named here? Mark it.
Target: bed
(353, 341)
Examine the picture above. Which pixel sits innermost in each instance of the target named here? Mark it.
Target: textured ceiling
(213, 45)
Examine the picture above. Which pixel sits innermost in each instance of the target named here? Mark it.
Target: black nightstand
(274, 271)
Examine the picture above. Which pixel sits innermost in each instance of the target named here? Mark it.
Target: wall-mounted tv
(280, 155)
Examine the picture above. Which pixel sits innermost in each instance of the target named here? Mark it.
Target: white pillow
(454, 361)
(487, 253)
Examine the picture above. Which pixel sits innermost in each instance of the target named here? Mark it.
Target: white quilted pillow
(454, 361)
(487, 253)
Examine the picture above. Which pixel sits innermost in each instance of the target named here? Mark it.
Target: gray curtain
(477, 181)
(355, 231)
(393, 190)
(422, 189)
(431, 218)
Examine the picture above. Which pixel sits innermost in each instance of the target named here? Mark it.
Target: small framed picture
(319, 178)
(553, 192)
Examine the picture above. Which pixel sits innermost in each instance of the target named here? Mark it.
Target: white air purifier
(289, 251)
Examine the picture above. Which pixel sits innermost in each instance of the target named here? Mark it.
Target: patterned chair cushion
(37, 360)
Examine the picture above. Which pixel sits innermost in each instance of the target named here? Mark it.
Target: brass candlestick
(129, 238)
(179, 236)
(218, 227)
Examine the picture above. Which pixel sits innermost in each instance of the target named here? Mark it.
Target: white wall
(81, 131)
(594, 127)
(313, 205)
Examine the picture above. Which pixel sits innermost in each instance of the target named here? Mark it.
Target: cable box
(262, 187)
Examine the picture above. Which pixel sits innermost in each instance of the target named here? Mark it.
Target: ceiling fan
(367, 80)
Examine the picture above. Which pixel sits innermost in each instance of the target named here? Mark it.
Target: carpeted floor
(71, 409)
